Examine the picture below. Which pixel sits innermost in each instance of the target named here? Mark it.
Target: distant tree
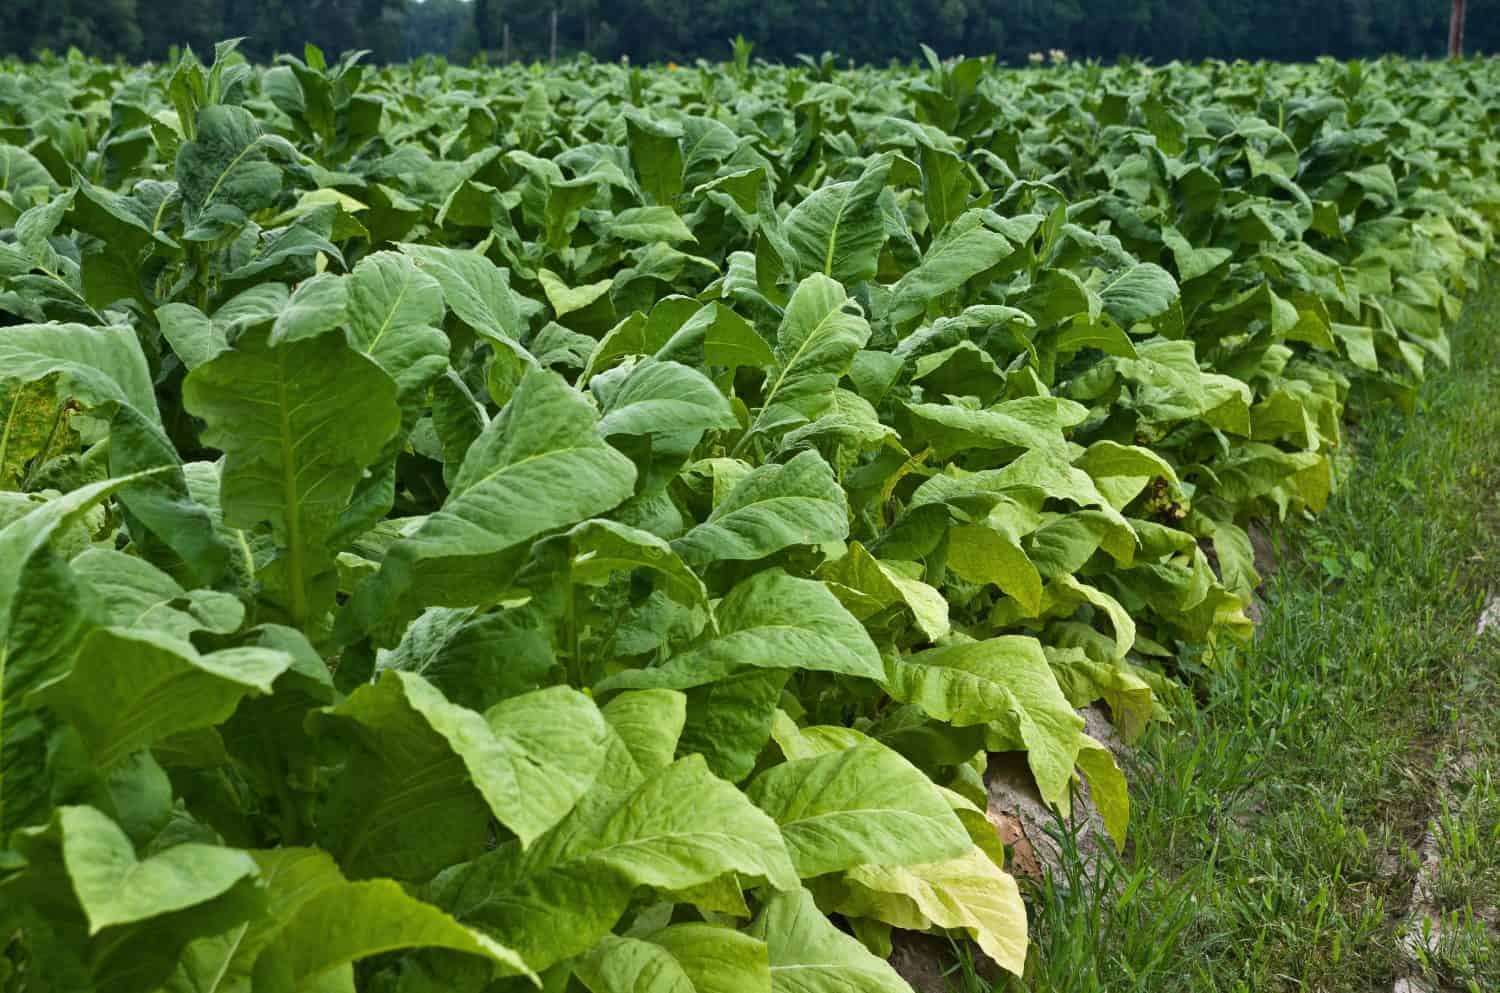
(871, 31)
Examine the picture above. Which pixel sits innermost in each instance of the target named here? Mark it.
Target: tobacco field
(586, 527)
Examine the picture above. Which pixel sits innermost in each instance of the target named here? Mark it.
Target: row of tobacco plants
(467, 529)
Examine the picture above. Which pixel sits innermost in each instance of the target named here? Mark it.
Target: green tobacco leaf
(475, 658)
(316, 306)
(298, 424)
(988, 555)
(945, 178)
(1107, 788)
(315, 924)
(684, 958)
(23, 177)
(1005, 681)
(599, 549)
(648, 224)
(866, 585)
(567, 299)
(394, 314)
(114, 887)
(540, 465)
(963, 251)
(769, 621)
(809, 955)
(968, 893)
(666, 405)
(474, 288)
(105, 368)
(224, 174)
(729, 721)
(663, 398)
(839, 229)
(679, 829)
(44, 612)
(859, 805)
(194, 338)
(525, 762)
(129, 689)
(1140, 293)
(815, 346)
(655, 155)
(1030, 422)
(771, 508)
(1067, 592)
(649, 722)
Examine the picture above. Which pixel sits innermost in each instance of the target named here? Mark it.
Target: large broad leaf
(136, 594)
(1030, 422)
(655, 155)
(771, 508)
(315, 924)
(1005, 681)
(1140, 293)
(540, 465)
(99, 917)
(859, 805)
(815, 346)
(684, 958)
(45, 611)
(649, 722)
(648, 224)
(426, 772)
(983, 554)
(1107, 788)
(194, 338)
(660, 399)
(105, 368)
(729, 721)
(679, 829)
(114, 887)
(809, 955)
(769, 621)
(474, 288)
(317, 305)
(129, 689)
(298, 423)
(224, 174)
(968, 893)
(394, 313)
(668, 407)
(839, 229)
(23, 177)
(866, 586)
(474, 658)
(599, 549)
(963, 251)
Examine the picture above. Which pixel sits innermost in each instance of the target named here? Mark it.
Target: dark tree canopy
(660, 30)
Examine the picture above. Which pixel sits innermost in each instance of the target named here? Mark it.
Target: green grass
(1275, 825)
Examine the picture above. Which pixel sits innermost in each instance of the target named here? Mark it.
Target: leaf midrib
(835, 311)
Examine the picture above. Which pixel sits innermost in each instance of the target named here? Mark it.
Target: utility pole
(1456, 31)
(505, 52)
(554, 36)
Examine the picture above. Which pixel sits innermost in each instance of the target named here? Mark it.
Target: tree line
(681, 30)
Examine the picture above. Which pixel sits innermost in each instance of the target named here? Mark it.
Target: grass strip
(1275, 823)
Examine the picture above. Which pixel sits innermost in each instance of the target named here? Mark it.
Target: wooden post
(1456, 31)
(554, 35)
(505, 52)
